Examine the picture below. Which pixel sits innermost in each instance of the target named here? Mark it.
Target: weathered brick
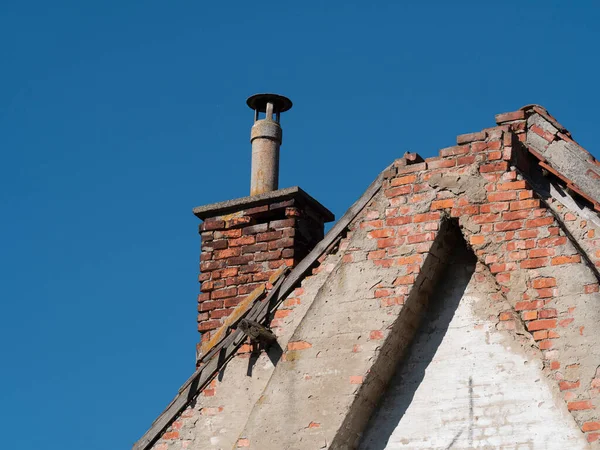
(542, 324)
(559, 260)
(580, 405)
(534, 263)
(400, 181)
(471, 137)
(510, 116)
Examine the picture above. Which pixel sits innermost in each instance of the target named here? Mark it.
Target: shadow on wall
(411, 371)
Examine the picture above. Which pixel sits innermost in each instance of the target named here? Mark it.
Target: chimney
(265, 137)
(245, 240)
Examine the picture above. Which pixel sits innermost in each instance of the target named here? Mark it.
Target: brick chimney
(244, 241)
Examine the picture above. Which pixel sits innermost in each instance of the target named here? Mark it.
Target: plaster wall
(466, 384)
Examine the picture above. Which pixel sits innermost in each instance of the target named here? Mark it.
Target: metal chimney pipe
(265, 136)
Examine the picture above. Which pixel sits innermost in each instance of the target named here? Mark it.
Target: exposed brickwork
(343, 345)
(240, 250)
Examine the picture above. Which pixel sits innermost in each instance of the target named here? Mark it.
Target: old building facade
(455, 305)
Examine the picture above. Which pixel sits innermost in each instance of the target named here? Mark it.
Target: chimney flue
(265, 137)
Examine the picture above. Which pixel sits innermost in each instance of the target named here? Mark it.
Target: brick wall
(343, 339)
(243, 247)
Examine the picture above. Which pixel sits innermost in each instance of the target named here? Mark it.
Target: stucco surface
(466, 384)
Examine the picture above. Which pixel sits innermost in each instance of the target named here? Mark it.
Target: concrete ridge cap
(213, 209)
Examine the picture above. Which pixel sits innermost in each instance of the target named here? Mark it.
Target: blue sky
(117, 118)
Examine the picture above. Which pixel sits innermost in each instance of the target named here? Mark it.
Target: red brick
(546, 345)
(527, 234)
(510, 186)
(495, 145)
(269, 236)
(493, 156)
(507, 226)
(247, 288)
(486, 218)
(427, 217)
(517, 255)
(494, 167)
(397, 191)
(227, 253)
(244, 240)
(477, 239)
(496, 268)
(406, 279)
(219, 313)
(253, 229)
(541, 252)
(396, 221)
(566, 322)
(408, 179)
(255, 248)
(547, 313)
(211, 224)
(238, 222)
(542, 324)
(376, 335)
(283, 223)
(590, 426)
(240, 260)
(559, 260)
(520, 245)
(390, 242)
(521, 306)
(267, 256)
(580, 405)
(356, 379)
(298, 345)
(169, 435)
(534, 263)
(589, 288)
(539, 283)
(415, 238)
(464, 160)
(441, 164)
(207, 306)
(372, 224)
(281, 243)
(539, 335)
(542, 133)
(209, 325)
(524, 204)
(470, 137)
(541, 222)
(383, 233)
(228, 234)
(501, 196)
(441, 204)
(552, 241)
(377, 254)
(379, 293)
(224, 293)
(510, 116)
(529, 315)
(515, 215)
(503, 277)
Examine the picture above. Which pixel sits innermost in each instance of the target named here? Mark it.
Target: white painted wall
(477, 388)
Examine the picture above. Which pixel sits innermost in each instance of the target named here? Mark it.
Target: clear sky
(118, 117)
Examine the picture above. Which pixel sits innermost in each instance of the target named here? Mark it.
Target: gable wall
(467, 384)
(368, 302)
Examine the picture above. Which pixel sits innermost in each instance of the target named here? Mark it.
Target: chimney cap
(258, 102)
